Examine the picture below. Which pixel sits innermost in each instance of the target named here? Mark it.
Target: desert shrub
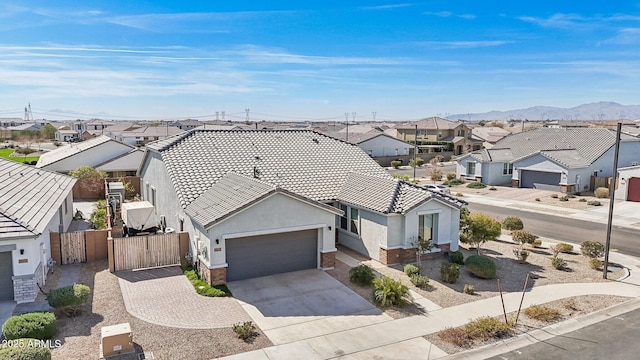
(594, 203)
(493, 188)
(411, 269)
(537, 199)
(361, 274)
(562, 248)
(456, 257)
(436, 174)
(564, 198)
(451, 176)
(469, 289)
(68, 298)
(521, 254)
(536, 243)
(601, 193)
(449, 272)
(459, 194)
(419, 162)
(485, 328)
(542, 313)
(419, 280)
(582, 200)
(481, 266)
(24, 349)
(396, 164)
(570, 304)
(455, 336)
(512, 223)
(592, 249)
(570, 196)
(389, 292)
(523, 237)
(35, 325)
(476, 185)
(558, 263)
(595, 264)
(453, 182)
(554, 196)
(245, 330)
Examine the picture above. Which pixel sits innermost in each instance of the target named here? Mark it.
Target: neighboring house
(8, 122)
(375, 143)
(489, 134)
(629, 183)
(67, 135)
(33, 203)
(186, 125)
(123, 165)
(438, 134)
(92, 152)
(567, 124)
(113, 131)
(147, 134)
(553, 159)
(263, 202)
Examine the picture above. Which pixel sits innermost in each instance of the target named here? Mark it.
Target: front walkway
(164, 296)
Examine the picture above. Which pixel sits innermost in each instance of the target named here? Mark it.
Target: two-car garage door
(262, 255)
(6, 273)
(539, 179)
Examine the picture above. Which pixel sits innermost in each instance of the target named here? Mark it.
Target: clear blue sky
(312, 60)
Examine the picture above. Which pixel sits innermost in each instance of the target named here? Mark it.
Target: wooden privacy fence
(140, 252)
(73, 247)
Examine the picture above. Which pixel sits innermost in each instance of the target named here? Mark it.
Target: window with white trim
(507, 169)
(344, 224)
(471, 168)
(354, 216)
(350, 220)
(427, 226)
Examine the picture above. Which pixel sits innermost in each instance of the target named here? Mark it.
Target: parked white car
(438, 188)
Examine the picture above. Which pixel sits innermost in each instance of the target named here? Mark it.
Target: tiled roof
(432, 123)
(387, 195)
(68, 150)
(489, 133)
(232, 193)
(568, 158)
(301, 161)
(126, 162)
(29, 198)
(151, 131)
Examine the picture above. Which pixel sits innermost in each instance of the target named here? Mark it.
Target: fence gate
(73, 247)
(139, 252)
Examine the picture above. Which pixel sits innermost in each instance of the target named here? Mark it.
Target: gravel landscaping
(81, 334)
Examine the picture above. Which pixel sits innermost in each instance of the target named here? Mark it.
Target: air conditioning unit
(635, 163)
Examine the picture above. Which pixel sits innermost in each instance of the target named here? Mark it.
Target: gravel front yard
(81, 334)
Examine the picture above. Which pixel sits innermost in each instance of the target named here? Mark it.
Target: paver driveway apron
(165, 297)
(303, 304)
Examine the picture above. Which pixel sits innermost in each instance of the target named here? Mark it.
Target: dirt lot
(81, 334)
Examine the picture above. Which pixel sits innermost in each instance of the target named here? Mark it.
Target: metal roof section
(29, 198)
(69, 150)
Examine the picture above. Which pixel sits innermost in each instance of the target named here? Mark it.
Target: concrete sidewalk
(625, 213)
(403, 338)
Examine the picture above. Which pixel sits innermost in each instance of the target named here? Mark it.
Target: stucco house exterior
(33, 202)
(259, 202)
(440, 134)
(548, 158)
(93, 152)
(629, 182)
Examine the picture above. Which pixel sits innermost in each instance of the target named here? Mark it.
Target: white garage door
(263, 255)
(6, 272)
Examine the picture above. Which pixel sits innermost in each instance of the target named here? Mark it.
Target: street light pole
(415, 150)
(612, 191)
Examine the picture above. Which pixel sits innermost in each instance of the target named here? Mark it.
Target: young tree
(480, 229)
(87, 172)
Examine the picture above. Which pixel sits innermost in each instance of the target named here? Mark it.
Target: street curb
(546, 333)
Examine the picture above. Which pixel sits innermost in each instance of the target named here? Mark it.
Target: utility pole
(374, 115)
(415, 150)
(612, 191)
(346, 117)
(247, 119)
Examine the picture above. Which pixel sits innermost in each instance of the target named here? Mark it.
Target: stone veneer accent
(515, 183)
(216, 276)
(327, 260)
(25, 289)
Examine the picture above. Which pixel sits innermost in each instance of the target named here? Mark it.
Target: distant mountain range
(602, 110)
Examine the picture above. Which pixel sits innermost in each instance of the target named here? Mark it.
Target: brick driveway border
(164, 296)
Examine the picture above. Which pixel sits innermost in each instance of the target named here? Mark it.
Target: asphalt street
(612, 339)
(624, 240)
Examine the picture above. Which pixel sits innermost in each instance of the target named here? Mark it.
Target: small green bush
(582, 200)
(594, 203)
(512, 223)
(361, 274)
(449, 272)
(595, 264)
(456, 257)
(453, 182)
(536, 243)
(476, 185)
(521, 255)
(24, 349)
(68, 298)
(419, 162)
(389, 292)
(396, 164)
(542, 313)
(592, 249)
(451, 176)
(245, 331)
(481, 266)
(564, 198)
(601, 193)
(485, 328)
(35, 325)
(570, 196)
(562, 248)
(436, 174)
(469, 289)
(411, 269)
(419, 280)
(558, 263)
(523, 237)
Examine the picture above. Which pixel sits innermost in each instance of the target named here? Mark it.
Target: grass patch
(203, 288)
(6, 154)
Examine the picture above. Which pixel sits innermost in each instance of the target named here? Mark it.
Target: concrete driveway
(303, 304)
(6, 310)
